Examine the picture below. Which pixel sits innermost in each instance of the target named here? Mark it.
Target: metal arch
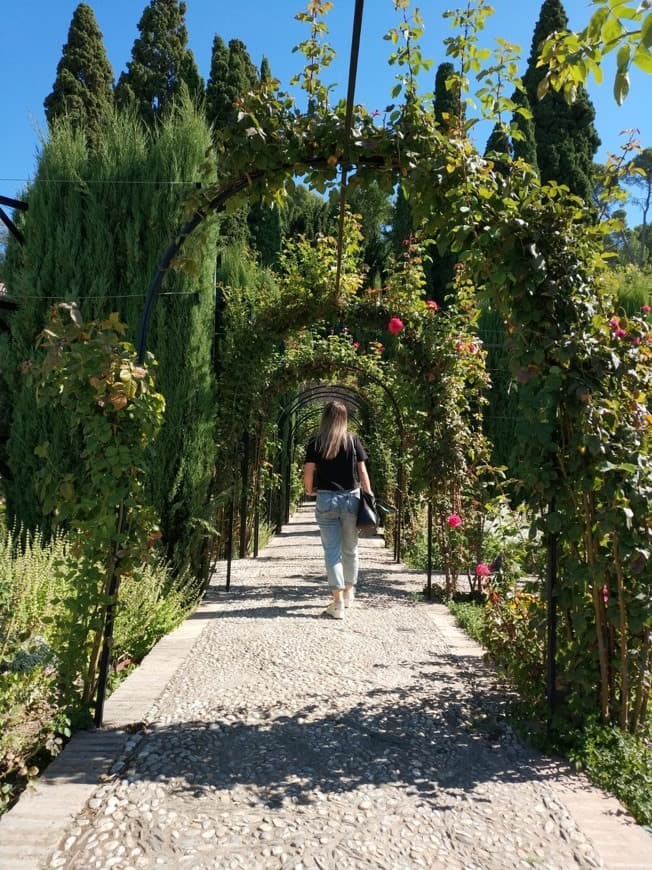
(7, 221)
(401, 457)
(313, 394)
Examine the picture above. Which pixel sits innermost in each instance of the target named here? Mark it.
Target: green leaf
(643, 59)
(621, 87)
(623, 58)
(646, 32)
(612, 30)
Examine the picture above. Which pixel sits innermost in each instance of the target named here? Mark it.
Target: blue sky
(33, 33)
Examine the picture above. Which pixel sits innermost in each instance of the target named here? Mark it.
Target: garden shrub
(37, 613)
(470, 616)
(514, 634)
(620, 763)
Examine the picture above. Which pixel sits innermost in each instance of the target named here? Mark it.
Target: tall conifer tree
(525, 148)
(83, 87)
(265, 71)
(447, 99)
(566, 138)
(232, 75)
(215, 107)
(161, 63)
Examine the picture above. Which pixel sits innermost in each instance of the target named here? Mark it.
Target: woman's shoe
(335, 610)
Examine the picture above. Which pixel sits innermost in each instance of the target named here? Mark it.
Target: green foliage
(566, 140)
(90, 377)
(640, 178)
(152, 603)
(39, 608)
(619, 763)
(232, 75)
(470, 616)
(631, 288)
(514, 635)
(100, 245)
(449, 110)
(622, 26)
(161, 64)
(83, 88)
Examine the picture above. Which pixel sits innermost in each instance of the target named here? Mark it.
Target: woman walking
(334, 471)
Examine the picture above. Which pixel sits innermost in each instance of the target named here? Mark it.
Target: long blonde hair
(333, 431)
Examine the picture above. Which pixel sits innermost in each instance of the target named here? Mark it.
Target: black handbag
(367, 515)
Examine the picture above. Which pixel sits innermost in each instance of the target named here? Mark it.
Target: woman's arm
(363, 474)
(309, 477)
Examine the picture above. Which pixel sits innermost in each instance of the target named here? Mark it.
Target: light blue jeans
(337, 515)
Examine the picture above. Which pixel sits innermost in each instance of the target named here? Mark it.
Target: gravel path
(290, 740)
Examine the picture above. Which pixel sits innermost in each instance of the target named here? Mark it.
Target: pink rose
(395, 326)
(431, 305)
(454, 520)
(646, 309)
(482, 570)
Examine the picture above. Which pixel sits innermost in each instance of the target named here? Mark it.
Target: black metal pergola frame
(216, 204)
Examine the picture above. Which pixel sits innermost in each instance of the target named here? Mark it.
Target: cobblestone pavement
(290, 740)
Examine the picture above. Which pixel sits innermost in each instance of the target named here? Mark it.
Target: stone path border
(34, 827)
(618, 839)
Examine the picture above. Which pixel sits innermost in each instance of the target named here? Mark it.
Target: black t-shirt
(337, 473)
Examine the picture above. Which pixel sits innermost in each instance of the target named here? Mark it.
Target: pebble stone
(289, 740)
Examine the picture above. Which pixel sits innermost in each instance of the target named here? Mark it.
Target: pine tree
(161, 63)
(565, 137)
(83, 88)
(231, 77)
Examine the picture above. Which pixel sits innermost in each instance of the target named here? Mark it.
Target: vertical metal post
(551, 627)
(288, 478)
(244, 467)
(429, 550)
(256, 529)
(229, 541)
(112, 589)
(399, 511)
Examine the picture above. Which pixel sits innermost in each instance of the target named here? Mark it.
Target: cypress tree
(265, 220)
(100, 246)
(265, 71)
(374, 207)
(230, 78)
(566, 139)
(215, 107)
(402, 222)
(161, 63)
(524, 147)
(305, 214)
(83, 87)
(498, 141)
(447, 103)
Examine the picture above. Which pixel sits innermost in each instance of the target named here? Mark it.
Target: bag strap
(354, 462)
